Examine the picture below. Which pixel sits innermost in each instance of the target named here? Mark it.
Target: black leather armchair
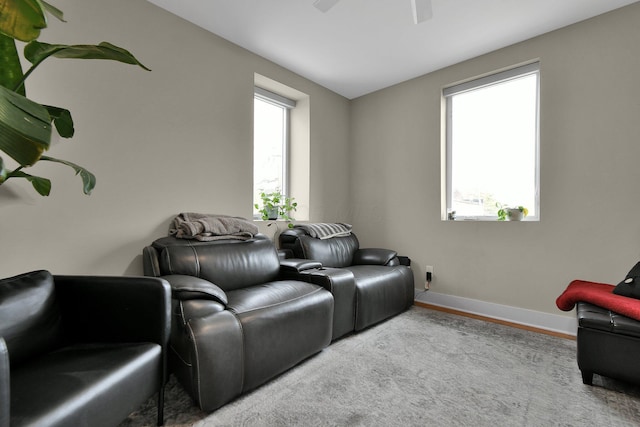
(382, 281)
(81, 350)
(237, 321)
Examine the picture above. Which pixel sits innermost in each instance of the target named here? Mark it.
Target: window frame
(532, 68)
(287, 105)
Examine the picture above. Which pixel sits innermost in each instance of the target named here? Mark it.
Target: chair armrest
(114, 309)
(375, 256)
(296, 265)
(150, 264)
(342, 284)
(185, 287)
(5, 390)
(215, 346)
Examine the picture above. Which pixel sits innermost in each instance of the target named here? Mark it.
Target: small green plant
(276, 205)
(504, 212)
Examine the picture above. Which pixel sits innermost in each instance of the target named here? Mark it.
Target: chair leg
(587, 378)
(161, 405)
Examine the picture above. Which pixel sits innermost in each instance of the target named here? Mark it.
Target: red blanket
(600, 294)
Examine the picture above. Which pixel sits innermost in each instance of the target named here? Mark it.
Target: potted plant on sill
(26, 126)
(276, 205)
(511, 214)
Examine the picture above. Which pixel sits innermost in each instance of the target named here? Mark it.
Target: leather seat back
(30, 319)
(229, 264)
(337, 252)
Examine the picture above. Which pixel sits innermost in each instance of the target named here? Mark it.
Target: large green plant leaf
(88, 179)
(25, 127)
(22, 19)
(36, 52)
(3, 171)
(62, 120)
(11, 70)
(41, 185)
(53, 10)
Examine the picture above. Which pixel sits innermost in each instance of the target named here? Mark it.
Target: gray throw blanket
(205, 227)
(324, 230)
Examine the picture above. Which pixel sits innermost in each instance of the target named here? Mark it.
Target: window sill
(488, 219)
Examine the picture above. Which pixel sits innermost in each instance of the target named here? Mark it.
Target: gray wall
(590, 130)
(176, 139)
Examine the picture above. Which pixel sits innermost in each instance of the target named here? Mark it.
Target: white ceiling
(360, 46)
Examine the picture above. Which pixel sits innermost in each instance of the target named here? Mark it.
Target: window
(270, 143)
(492, 144)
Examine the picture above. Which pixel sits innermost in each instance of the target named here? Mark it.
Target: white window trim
(299, 142)
(501, 76)
(273, 98)
(288, 105)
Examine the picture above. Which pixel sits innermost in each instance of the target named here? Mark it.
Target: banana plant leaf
(53, 10)
(11, 71)
(41, 185)
(3, 171)
(88, 179)
(36, 52)
(62, 120)
(22, 19)
(25, 127)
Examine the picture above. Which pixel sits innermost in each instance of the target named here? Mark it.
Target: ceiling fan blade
(421, 10)
(324, 5)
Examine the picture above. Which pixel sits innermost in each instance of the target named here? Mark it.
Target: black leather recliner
(382, 281)
(237, 321)
(81, 350)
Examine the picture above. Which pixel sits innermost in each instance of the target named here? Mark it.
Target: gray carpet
(424, 368)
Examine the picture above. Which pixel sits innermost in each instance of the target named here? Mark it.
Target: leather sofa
(237, 321)
(81, 350)
(608, 344)
(382, 284)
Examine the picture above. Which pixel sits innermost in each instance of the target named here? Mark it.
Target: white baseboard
(536, 319)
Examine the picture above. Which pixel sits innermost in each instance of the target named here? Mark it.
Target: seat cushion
(283, 323)
(85, 385)
(594, 317)
(381, 292)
